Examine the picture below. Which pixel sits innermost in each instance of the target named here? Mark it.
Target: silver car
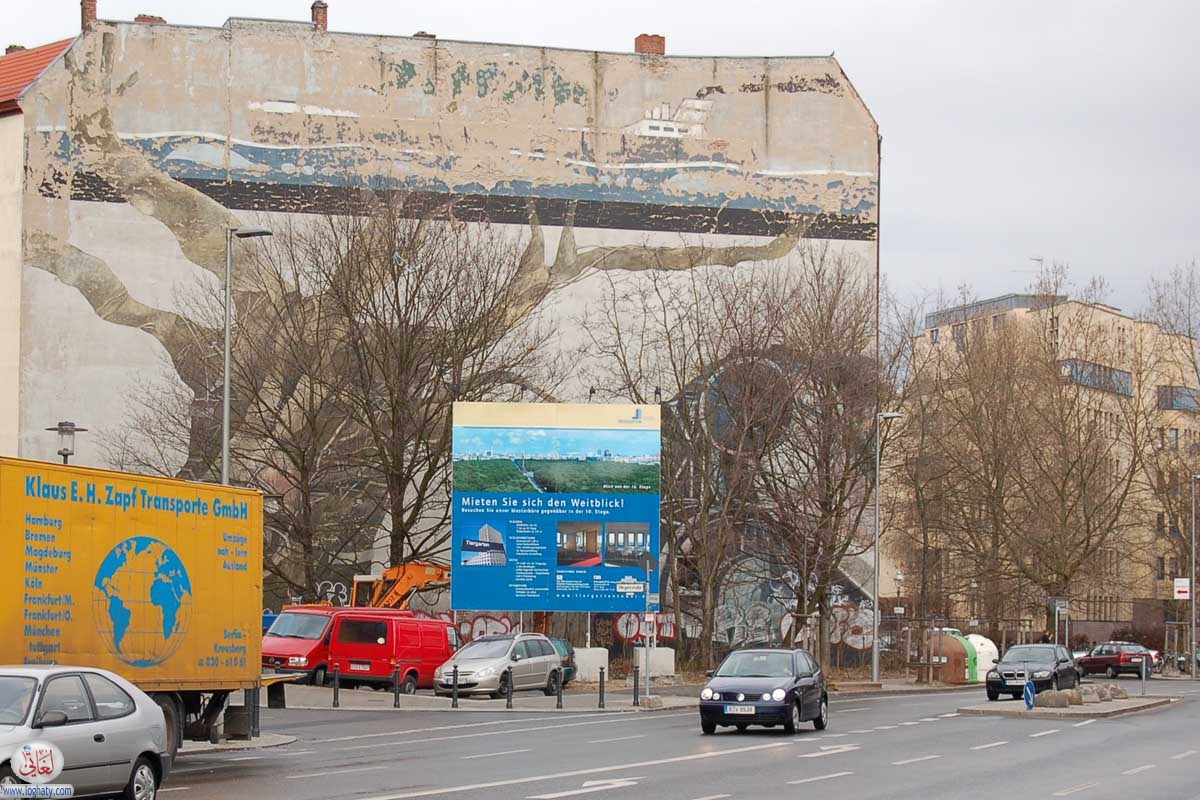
(484, 666)
(112, 736)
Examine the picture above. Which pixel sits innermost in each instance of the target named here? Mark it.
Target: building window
(959, 332)
(1160, 523)
(1160, 568)
(1173, 438)
(1174, 568)
(997, 322)
(935, 335)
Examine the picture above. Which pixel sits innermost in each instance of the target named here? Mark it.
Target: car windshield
(298, 626)
(16, 692)
(756, 665)
(486, 648)
(1037, 655)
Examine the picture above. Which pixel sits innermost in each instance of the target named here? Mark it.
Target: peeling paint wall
(145, 140)
(12, 159)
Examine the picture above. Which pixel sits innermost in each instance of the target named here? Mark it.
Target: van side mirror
(709, 673)
(50, 719)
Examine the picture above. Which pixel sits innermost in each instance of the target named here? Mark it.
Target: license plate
(1014, 682)
(1136, 659)
(360, 667)
(739, 709)
(268, 670)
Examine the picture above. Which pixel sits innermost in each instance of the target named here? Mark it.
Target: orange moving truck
(158, 580)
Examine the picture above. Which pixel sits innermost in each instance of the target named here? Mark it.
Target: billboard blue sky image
(641, 446)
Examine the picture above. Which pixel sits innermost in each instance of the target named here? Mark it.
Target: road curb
(234, 745)
(867, 695)
(1150, 704)
(514, 710)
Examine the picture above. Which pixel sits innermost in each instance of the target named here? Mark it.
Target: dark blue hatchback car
(765, 687)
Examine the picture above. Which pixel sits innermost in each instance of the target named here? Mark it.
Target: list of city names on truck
(47, 606)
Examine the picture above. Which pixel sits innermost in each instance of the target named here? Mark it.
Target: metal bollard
(508, 687)
(337, 687)
(602, 687)
(396, 687)
(637, 701)
(558, 702)
(454, 689)
(255, 714)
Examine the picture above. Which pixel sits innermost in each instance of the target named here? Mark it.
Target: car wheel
(822, 720)
(319, 676)
(409, 686)
(708, 728)
(143, 781)
(992, 694)
(551, 685)
(173, 717)
(793, 720)
(7, 778)
(1110, 672)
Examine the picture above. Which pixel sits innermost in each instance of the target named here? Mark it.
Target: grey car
(484, 666)
(112, 736)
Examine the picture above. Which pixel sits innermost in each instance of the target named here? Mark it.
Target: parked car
(567, 652)
(1114, 658)
(113, 736)
(765, 687)
(485, 664)
(1049, 666)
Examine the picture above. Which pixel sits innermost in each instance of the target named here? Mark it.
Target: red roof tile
(19, 69)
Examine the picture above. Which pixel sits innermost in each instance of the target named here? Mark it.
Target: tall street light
(1192, 588)
(241, 233)
(66, 438)
(879, 418)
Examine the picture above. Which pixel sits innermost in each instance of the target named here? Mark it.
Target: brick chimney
(150, 19)
(650, 44)
(87, 14)
(320, 14)
(13, 48)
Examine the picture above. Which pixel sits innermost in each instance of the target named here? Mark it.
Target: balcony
(1178, 398)
(1097, 376)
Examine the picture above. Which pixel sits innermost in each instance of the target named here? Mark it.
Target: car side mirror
(50, 719)
(709, 673)
(516, 656)
(328, 638)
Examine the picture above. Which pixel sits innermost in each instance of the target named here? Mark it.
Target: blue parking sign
(1029, 693)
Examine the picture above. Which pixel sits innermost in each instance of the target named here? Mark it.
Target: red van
(367, 647)
(299, 638)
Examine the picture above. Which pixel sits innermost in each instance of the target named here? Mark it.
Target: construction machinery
(395, 586)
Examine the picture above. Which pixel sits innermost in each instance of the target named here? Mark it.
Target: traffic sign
(1029, 693)
(1183, 589)
(654, 598)
(898, 611)
(1060, 604)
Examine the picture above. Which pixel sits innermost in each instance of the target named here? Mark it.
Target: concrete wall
(12, 162)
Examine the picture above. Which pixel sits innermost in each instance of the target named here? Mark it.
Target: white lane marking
(862, 731)
(988, 746)
(910, 723)
(614, 718)
(478, 734)
(295, 753)
(819, 778)
(618, 739)
(1081, 724)
(913, 760)
(835, 736)
(886, 727)
(175, 789)
(948, 716)
(714, 797)
(928, 719)
(1136, 770)
(333, 773)
(493, 755)
(831, 750)
(852, 710)
(589, 787)
(1081, 787)
(1043, 733)
(246, 758)
(577, 772)
(1184, 754)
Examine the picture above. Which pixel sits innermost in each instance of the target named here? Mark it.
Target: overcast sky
(1011, 131)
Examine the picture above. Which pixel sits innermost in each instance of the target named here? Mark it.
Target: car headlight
(993, 674)
(777, 695)
(297, 661)
(486, 672)
(1042, 673)
(766, 696)
(706, 693)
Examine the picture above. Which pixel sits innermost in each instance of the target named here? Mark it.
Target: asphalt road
(893, 748)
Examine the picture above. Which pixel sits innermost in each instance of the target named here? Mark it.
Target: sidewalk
(188, 748)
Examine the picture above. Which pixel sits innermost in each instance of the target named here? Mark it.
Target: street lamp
(879, 418)
(66, 438)
(1192, 587)
(241, 233)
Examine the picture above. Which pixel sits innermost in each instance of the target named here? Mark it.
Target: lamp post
(879, 418)
(66, 438)
(241, 233)
(1192, 587)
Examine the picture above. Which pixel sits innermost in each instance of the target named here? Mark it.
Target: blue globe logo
(142, 598)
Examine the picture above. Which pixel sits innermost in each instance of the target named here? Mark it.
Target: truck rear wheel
(173, 714)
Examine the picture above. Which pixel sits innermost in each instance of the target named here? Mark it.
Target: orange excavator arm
(396, 586)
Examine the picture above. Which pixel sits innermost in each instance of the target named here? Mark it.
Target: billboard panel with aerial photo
(556, 506)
